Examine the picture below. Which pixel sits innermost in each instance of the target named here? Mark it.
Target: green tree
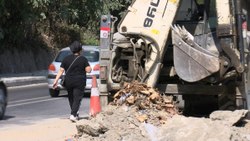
(29, 24)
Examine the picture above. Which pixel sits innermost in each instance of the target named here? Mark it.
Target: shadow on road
(7, 117)
(86, 95)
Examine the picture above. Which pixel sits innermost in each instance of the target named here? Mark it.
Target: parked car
(3, 99)
(90, 52)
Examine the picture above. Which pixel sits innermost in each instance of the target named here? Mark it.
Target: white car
(90, 52)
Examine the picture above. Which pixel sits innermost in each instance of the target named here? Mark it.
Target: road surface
(32, 103)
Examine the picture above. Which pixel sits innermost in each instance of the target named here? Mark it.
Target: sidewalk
(12, 80)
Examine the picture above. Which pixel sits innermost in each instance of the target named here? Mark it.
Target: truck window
(190, 15)
(187, 11)
(200, 2)
(212, 19)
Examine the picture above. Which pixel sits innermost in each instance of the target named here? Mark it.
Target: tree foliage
(28, 24)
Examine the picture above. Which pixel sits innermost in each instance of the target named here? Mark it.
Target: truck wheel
(3, 102)
(54, 93)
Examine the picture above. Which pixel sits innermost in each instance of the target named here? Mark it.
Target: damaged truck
(195, 50)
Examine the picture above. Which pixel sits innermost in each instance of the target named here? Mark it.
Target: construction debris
(139, 112)
(90, 130)
(229, 117)
(181, 128)
(122, 124)
(142, 104)
(145, 98)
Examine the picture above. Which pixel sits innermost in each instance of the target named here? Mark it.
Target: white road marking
(29, 85)
(31, 101)
(26, 103)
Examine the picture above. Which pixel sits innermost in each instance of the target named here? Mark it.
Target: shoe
(77, 115)
(73, 118)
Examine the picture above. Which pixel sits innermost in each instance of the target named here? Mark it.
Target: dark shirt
(76, 75)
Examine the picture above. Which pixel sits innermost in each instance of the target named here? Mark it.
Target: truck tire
(3, 100)
(54, 93)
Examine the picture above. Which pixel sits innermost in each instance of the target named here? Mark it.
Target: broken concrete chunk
(117, 95)
(142, 118)
(109, 112)
(154, 96)
(169, 105)
(145, 92)
(87, 129)
(229, 117)
(168, 99)
(130, 100)
(90, 128)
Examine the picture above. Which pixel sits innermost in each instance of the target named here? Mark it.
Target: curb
(19, 81)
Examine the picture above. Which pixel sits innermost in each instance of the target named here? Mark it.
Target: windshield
(91, 55)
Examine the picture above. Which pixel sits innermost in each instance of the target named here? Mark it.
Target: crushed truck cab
(196, 50)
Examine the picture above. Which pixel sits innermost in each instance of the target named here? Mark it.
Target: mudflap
(192, 62)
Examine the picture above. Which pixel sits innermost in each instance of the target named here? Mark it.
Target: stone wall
(16, 61)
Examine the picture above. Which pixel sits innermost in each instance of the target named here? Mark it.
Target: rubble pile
(134, 109)
(144, 97)
(148, 102)
(118, 123)
(139, 112)
(113, 123)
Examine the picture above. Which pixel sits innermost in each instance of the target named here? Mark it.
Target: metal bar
(180, 89)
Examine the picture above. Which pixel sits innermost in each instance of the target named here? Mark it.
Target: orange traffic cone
(95, 106)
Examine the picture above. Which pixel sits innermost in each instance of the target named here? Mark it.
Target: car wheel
(3, 101)
(54, 93)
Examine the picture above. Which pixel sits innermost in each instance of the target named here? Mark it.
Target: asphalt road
(32, 103)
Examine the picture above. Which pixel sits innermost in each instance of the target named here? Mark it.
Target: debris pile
(150, 104)
(139, 112)
(119, 123)
(113, 123)
(134, 108)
